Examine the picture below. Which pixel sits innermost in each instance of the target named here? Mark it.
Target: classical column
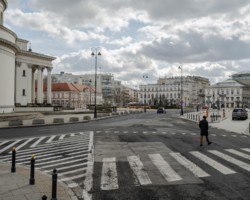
(49, 85)
(39, 85)
(33, 87)
(42, 85)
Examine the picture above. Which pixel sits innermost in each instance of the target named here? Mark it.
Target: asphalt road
(153, 156)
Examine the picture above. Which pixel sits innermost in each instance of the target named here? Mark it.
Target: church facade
(21, 71)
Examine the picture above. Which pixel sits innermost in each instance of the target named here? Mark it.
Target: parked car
(239, 113)
(161, 110)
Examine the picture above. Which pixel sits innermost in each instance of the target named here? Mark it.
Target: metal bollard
(13, 166)
(54, 184)
(32, 170)
(44, 197)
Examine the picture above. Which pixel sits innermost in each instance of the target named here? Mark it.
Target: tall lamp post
(95, 52)
(90, 83)
(181, 92)
(145, 76)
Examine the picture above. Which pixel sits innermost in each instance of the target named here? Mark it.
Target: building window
(24, 92)
(24, 73)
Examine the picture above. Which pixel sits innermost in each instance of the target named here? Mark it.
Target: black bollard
(13, 166)
(54, 184)
(32, 170)
(44, 197)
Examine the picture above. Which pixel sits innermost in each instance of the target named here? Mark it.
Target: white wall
(23, 82)
(7, 79)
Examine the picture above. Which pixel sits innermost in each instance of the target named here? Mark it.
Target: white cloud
(209, 38)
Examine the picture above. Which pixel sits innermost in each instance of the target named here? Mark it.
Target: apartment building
(229, 94)
(167, 91)
(69, 95)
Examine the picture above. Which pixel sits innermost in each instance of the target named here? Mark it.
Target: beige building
(167, 91)
(229, 94)
(73, 96)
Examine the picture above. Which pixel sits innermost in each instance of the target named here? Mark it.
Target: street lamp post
(145, 76)
(90, 83)
(95, 52)
(181, 92)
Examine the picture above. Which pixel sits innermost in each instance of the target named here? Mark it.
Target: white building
(167, 91)
(19, 67)
(229, 94)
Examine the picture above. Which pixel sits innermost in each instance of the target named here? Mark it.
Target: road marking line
(230, 159)
(216, 165)
(64, 149)
(63, 159)
(72, 185)
(197, 171)
(109, 179)
(50, 139)
(44, 153)
(64, 163)
(4, 142)
(138, 169)
(37, 142)
(183, 133)
(73, 177)
(62, 136)
(238, 153)
(9, 146)
(246, 149)
(71, 171)
(88, 181)
(23, 144)
(165, 169)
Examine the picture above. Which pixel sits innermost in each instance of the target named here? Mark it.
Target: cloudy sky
(136, 37)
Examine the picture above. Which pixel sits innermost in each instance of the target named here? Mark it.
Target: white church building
(21, 71)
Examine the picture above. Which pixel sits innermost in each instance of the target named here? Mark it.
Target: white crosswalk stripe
(216, 165)
(238, 153)
(109, 180)
(10, 146)
(23, 144)
(37, 142)
(138, 168)
(230, 159)
(165, 169)
(197, 171)
(51, 138)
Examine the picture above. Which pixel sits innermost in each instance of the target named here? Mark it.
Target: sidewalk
(21, 120)
(15, 186)
(225, 123)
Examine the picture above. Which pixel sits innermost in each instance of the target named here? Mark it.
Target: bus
(136, 105)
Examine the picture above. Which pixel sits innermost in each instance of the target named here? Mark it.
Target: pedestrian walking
(204, 130)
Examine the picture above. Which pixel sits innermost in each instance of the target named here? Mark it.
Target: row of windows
(223, 92)
(174, 95)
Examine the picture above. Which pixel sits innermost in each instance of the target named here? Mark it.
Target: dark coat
(204, 127)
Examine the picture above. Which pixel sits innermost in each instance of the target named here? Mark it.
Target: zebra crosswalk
(68, 153)
(170, 172)
(72, 154)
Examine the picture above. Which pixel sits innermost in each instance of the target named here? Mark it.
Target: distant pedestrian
(204, 130)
